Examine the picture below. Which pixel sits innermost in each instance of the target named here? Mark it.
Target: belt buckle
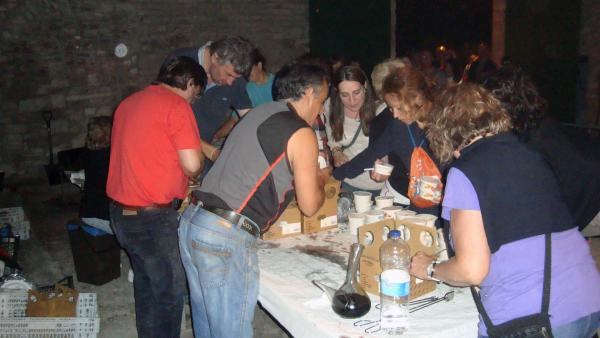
(248, 227)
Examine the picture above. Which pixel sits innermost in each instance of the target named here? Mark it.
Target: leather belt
(244, 222)
(145, 208)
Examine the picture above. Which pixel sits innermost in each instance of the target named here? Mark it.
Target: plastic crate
(13, 322)
(15, 216)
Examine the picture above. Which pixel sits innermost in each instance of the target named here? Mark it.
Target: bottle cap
(395, 234)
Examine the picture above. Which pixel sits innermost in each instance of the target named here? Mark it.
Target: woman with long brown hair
(352, 110)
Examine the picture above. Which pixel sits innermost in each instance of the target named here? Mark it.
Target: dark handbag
(532, 326)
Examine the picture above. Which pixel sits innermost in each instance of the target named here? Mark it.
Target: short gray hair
(235, 50)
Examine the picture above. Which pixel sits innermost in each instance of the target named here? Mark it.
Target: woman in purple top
(501, 198)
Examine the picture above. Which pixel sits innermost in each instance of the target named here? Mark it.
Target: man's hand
(324, 175)
(339, 158)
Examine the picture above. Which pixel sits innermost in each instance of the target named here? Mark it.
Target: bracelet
(431, 271)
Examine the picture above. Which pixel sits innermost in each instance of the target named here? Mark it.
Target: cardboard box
(326, 217)
(372, 236)
(288, 224)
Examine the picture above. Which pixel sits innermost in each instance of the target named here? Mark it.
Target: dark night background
(427, 24)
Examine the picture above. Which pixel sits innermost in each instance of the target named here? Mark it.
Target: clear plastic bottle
(394, 257)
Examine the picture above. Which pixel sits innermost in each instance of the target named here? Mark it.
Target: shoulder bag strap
(353, 138)
(412, 138)
(259, 182)
(547, 274)
(546, 288)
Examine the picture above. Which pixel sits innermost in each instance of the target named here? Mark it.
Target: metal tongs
(373, 326)
(425, 302)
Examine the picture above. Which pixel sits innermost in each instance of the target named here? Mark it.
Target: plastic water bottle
(394, 257)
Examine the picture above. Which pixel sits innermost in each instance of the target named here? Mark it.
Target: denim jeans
(221, 264)
(584, 327)
(150, 240)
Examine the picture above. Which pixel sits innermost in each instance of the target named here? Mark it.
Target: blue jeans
(584, 327)
(150, 240)
(221, 264)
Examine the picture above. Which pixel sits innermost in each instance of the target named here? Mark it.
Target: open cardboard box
(326, 217)
(288, 224)
(419, 238)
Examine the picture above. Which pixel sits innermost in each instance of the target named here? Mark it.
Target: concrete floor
(46, 258)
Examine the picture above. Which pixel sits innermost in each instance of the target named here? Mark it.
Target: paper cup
(374, 216)
(383, 168)
(355, 221)
(429, 219)
(384, 201)
(390, 212)
(415, 220)
(362, 201)
(402, 214)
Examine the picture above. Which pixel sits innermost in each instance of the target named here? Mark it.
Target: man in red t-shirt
(155, 147)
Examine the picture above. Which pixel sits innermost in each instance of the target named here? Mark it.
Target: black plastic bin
(96, 254)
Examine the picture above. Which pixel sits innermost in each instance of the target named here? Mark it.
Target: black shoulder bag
(532, 326)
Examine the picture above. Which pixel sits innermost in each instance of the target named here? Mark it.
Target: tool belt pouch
(533, 326)
(58, 302)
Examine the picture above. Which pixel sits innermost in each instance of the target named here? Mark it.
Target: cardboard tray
(419, 238)
(13, 322)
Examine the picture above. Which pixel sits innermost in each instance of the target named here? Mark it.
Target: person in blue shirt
(260, 82)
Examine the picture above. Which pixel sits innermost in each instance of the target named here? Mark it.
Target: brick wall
(588, 45)
(59, 55)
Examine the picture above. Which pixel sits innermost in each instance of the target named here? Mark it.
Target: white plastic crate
(14, 324)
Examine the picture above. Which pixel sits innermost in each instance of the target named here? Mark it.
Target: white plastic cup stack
(428, 219)
(374, 216)
(384, 201)
(362, 201)
(416, 220)
(403, 214)
(355, 221)
(390, 212)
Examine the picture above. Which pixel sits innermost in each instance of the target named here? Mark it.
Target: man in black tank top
(270, 156)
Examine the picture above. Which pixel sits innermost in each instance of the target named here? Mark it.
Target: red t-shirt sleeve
(182, 127)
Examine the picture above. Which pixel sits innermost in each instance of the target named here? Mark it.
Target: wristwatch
(431, 271)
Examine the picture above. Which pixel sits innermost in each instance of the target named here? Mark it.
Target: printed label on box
(290, 228)
(329, 221)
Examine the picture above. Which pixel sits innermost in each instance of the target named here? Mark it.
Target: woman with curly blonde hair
(505, 210)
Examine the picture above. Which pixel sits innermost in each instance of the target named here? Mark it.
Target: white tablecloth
(287, 267)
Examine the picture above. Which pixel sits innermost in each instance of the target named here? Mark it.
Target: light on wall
(121, 50)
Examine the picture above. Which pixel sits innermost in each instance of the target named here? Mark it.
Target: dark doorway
(431, 23)
(357, 29)
(543, 38)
